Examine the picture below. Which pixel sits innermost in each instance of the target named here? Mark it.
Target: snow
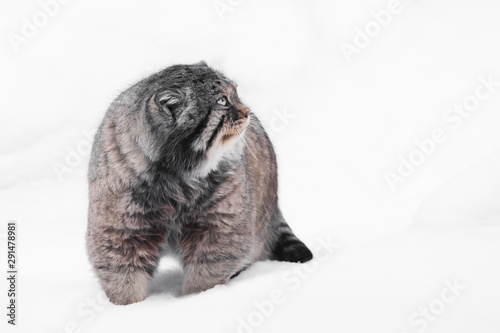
(382, 256)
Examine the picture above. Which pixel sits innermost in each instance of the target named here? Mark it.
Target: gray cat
(179, 161)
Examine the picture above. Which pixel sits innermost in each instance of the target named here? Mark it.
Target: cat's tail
(286, 246)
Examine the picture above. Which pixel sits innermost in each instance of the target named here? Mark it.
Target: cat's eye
(222, 101)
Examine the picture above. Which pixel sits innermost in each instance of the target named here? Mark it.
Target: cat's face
(198, 114)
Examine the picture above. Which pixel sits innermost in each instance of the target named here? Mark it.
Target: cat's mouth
(235, 129)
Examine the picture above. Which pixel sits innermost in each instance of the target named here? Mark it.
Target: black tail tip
(303, 254)
(296, 252)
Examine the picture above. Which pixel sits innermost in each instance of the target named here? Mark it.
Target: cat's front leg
(124, 260)
(211, 255)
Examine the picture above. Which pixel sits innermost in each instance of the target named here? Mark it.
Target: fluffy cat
(178, 160)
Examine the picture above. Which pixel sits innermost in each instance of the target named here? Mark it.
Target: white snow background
(422, 256)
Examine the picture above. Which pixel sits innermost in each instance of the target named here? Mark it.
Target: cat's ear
(169, 101)
(201, 63)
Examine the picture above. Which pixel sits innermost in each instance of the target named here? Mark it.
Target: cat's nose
(243, 113)
(239, 112)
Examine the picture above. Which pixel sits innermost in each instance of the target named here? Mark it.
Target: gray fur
(171, 164)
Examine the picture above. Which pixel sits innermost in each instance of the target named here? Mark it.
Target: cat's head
(196, 116)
